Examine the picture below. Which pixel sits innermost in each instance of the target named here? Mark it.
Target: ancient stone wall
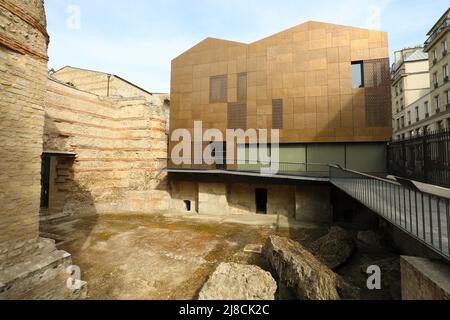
(30, 267)
(118, 143)
(231, 199)
(104, 84)
(23, 70)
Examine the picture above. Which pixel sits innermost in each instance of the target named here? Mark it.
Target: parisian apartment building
(420, 85)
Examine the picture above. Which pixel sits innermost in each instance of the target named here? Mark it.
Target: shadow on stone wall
(77, 217)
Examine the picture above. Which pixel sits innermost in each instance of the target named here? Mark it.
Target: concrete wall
(424, 279)
(117, 142)
(313, 204)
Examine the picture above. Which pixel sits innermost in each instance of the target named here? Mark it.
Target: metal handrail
(422, 215)
(365, 174)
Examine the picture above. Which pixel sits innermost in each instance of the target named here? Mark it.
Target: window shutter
(378, 93)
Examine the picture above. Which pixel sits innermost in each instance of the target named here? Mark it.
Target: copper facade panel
(242, 87)
(277, 114)
(237, 116)
(308, 67)
(218, 92)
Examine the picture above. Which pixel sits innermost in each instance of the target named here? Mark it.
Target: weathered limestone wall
(231, 198)
(183, 191)
(424, 279)
(212, 198)
(117, 142)
(280, 199)
(30, 267)
(100, 84)
(23, 68)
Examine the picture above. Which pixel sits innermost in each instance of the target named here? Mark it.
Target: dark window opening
(357, 74)
(188, 205)
(218, 92)
(261, 201)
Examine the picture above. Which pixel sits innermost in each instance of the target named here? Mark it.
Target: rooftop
(409, 55)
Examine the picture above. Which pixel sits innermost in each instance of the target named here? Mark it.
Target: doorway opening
(188, 205)
(55, 179)
(45, 181)
(261, 201)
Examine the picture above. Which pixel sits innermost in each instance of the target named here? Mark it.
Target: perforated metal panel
(277, 114)
(242, 87)
(378, 93)
(218, 92)
(237, 116)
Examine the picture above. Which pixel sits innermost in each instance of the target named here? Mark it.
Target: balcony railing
(445, 24)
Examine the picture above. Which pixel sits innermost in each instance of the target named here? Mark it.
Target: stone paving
(171, 256)
(159, 257)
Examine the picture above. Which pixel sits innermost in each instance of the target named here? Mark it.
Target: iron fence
(424, 216)
(424, 158)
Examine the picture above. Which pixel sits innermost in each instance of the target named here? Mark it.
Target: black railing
(423, 215)
(424, 158)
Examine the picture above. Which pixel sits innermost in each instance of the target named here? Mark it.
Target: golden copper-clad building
(318, 83)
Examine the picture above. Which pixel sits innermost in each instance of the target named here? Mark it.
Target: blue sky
(137, 39)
